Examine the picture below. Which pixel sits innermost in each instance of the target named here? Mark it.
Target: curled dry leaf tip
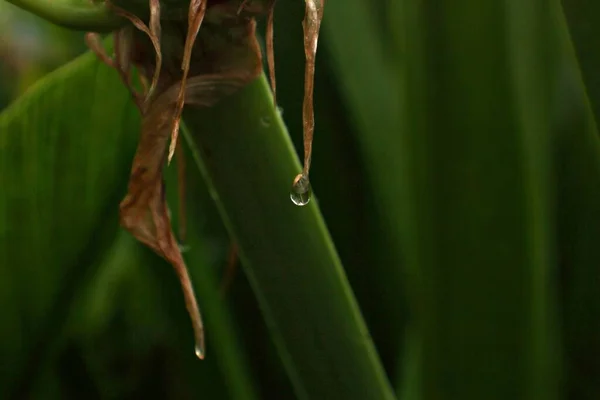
(312, 25)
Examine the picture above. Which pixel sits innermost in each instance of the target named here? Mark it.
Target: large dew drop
(301, 190)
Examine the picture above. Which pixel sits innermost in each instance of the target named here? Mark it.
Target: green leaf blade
(63, 166)
(286, 249)
(79, 15)
(479, 189)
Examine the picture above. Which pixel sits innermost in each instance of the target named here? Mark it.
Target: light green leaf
(83, 15)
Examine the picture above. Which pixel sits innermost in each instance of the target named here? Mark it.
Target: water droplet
(280, 111)
(199, 351)
(301, 190)
(265, 121)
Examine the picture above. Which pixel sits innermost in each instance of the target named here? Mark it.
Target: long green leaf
(476, 162)
(74, 14)
(358, 50)
(65, 150)
(286, 250)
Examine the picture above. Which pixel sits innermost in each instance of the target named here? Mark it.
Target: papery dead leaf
(143, 211)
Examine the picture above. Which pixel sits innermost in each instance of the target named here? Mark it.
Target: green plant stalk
(477, 169)
(244, 149)
(81, 15)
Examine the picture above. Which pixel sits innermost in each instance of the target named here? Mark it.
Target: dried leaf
(143, 211)
(195, 18)
(311, 24)
(271, 48)
(153, 34)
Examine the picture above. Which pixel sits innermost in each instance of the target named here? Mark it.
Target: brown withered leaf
(195, 17)
(312, 25)
(202, 80)
(143, 211)
(271, 47)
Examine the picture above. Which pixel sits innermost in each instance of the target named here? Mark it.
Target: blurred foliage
(30, 47)
(457, 169)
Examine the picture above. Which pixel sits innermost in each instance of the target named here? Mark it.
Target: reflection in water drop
(265, 121)
(301, 190)
(184, 247)
(199, 351)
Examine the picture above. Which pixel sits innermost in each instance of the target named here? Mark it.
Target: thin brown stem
(123, 42)
(195, 17)
(241, 7)
(121, 61)
(271, 48)
(94, 43)
(311, 24)
(192, 306)
(153, 33)
(230, 269)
